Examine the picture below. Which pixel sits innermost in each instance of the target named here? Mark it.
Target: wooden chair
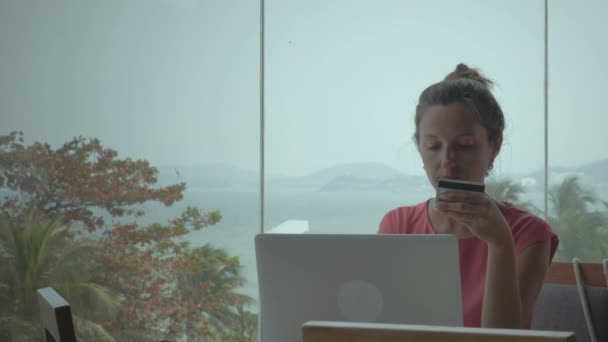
(56, 316)
(317, 331)
(564, 305)
(563, 273)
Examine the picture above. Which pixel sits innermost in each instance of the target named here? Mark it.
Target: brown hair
(465, 85)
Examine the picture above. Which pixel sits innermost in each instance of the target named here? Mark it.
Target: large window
(578, 159)
(343, 82)
(170, 86)
(129, 142)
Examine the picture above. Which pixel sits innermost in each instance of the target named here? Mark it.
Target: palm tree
(244, 328)
(211, 282)
(582, 228)
(38, 252)
(505, 190)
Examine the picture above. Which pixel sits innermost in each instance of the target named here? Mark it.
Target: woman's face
(453, 144)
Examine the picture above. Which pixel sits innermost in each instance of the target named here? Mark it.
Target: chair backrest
(56, 316)
(317, 331)
(559, 305)
(563, 273)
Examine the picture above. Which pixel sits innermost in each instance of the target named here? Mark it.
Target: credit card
(445, 185)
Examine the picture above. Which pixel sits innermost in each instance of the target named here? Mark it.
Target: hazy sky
(176, 81)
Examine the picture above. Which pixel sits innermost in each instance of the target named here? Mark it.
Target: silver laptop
(406, 279)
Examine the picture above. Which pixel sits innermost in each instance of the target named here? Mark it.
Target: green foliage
(505, 190)
(209, 281)
(23, 330)
(41, 252)
(583, 229)
(132, 282)
(91, 331)
(245, 327)
(577, 215)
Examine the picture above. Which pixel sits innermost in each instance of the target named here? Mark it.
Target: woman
(504, 251)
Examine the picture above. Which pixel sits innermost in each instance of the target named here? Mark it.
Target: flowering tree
(166, 288)
(77, 177)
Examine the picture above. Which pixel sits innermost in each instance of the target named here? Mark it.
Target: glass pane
(578, 158)
(343, 83)
(126, 227)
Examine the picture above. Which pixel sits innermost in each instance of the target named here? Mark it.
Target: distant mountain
(592, 175)
(347, 177)
(396, 183)
(350, 183)
(595, 173)
(361, 172)
(227, 176)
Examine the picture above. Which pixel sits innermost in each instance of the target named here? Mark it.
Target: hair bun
(463, 71)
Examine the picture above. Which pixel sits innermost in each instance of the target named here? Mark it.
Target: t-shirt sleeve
(389, 224)
(530, 230)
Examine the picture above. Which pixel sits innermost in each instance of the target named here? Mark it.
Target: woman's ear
(496, 145)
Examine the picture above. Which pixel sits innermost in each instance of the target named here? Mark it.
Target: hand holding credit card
(445, 185)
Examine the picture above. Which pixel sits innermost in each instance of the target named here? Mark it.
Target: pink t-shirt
(527, 230)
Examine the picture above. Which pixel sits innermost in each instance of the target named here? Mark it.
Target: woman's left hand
(479, 213)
